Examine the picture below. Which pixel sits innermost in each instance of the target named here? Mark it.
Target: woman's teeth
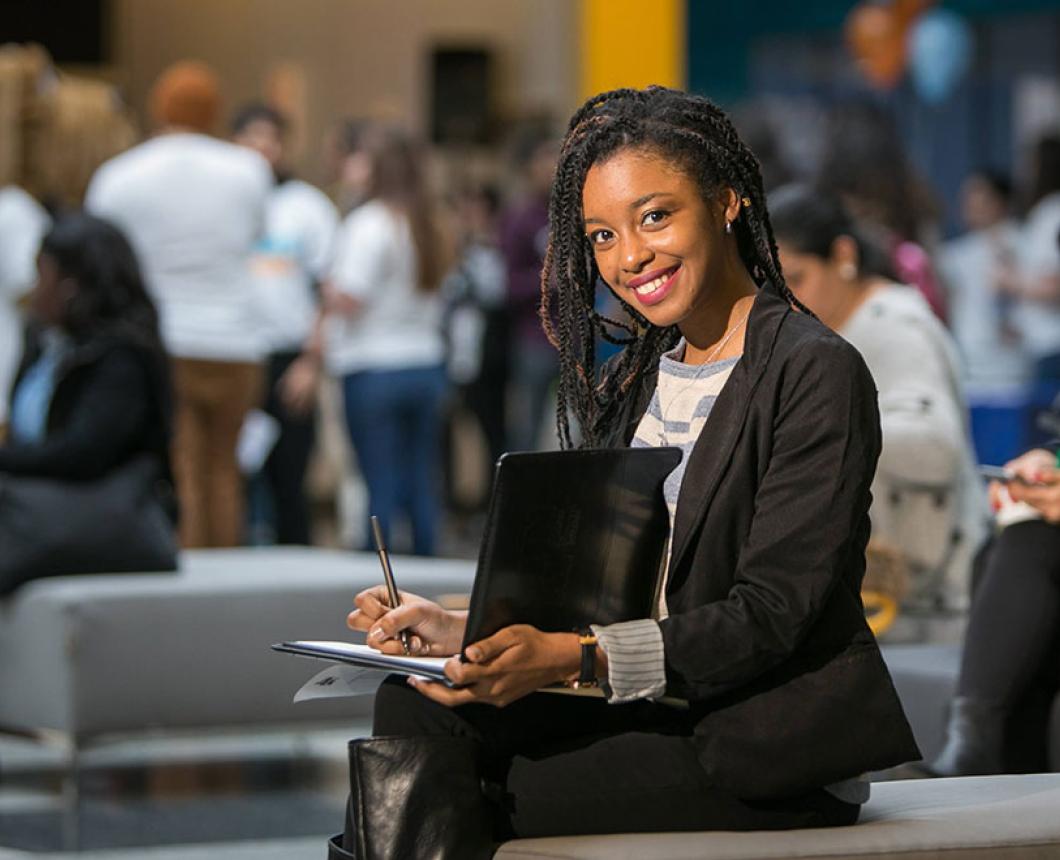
(652, 286)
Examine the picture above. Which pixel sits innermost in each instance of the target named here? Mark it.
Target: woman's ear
(730, 202)
(844, 256)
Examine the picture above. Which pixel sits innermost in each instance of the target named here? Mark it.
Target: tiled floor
(221, 795)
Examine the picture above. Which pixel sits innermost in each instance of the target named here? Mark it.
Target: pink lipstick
(652, 287)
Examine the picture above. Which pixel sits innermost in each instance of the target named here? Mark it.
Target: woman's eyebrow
(636, 204)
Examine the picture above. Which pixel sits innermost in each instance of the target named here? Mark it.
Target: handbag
(114, 524)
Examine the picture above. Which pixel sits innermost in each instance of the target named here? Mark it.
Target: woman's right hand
(433, 631)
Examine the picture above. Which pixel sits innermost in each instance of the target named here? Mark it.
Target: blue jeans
(394, 418)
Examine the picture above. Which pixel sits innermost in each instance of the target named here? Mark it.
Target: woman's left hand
(506, 666)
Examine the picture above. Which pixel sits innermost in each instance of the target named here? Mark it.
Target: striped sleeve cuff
(636, 667)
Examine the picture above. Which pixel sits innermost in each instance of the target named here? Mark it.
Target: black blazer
(112, 402)
(767, 635)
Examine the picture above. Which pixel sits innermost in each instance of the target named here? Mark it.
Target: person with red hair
(194, 206)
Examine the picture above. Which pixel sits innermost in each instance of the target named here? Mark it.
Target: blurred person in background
(288, 265)
(1010, 664)
(1037, 278)
(348, 166)
(23, 223)
(383, 334)
(927, 496)
(194, 207)
(93, 393)
(865, 165)
(976, 267)
(476, 318)
(524, 237)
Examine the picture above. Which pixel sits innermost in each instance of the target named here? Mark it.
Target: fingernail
(474, 654)
(411, 681)
(417, 644)
(377, 633)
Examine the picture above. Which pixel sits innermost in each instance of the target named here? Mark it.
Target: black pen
(393, 597)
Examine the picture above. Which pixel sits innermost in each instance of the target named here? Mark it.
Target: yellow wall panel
(632, 43)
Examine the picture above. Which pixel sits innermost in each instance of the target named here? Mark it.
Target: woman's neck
(715, 330)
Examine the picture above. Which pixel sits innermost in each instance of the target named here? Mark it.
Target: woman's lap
(575, 765)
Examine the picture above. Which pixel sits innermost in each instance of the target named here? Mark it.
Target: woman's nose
(635, 254)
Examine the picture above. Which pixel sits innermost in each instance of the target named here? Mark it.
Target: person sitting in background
(974, 266)
(927, 496)
(93, 394)
(383, 335)
(1010, 666)
(23, 222)
(289, 263)
(194, 207)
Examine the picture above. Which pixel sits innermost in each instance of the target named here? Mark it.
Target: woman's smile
(652, 287)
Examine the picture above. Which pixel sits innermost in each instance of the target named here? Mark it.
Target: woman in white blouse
(383, 335)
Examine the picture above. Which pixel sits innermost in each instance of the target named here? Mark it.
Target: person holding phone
(658, 200)
(1010, 666)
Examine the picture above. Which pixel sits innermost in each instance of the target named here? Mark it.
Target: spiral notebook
(572, 538)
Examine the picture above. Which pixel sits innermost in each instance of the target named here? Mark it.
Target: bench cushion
(975, 818)
(98, 654)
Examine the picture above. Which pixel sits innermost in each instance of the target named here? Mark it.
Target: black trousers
(575, 765)
(1012, 646)
(285, 468)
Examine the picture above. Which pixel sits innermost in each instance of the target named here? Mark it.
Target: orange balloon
(876, 38)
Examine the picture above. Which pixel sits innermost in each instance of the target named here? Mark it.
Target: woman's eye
(655, 216)
(600, 237)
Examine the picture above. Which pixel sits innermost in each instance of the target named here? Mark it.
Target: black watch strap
(587, 674)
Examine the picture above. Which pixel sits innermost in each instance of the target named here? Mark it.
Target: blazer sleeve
(110, 414)
(809, 506)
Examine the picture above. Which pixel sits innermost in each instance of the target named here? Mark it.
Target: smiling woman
(758, 632)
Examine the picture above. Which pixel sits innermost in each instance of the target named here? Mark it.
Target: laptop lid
(572, 538)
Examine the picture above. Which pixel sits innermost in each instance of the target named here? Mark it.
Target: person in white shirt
(194, 207)
(289, 263)
(974, 265)
(23, 223)
(383, 335)
(1037, 278)
(928, 501)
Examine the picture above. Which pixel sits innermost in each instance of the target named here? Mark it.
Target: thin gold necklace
(718, 348)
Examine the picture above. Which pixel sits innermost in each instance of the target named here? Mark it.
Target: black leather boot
(418, 798)
(974, 740)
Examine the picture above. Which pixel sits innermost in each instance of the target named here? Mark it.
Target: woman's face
(52, 292)
(817, 282)
(657, 242)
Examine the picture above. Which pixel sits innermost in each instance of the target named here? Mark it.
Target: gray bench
(83, 659)
(975, 818)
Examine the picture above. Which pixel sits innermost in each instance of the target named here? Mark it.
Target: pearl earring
(728, 226)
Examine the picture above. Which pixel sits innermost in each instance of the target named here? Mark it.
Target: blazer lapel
(714, 447)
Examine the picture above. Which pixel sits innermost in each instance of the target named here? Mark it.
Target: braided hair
(699, 138)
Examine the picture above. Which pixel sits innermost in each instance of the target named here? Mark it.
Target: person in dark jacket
(93, 391)
(1010, 664)
(759, 629)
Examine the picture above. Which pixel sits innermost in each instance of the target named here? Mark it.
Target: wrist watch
(587, 674)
